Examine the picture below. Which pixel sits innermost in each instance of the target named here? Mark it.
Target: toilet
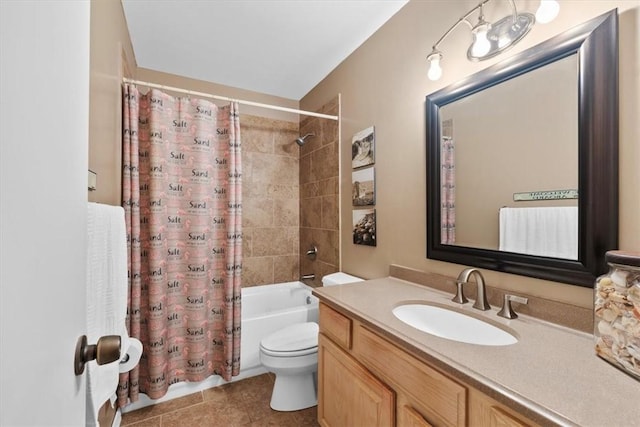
(291, 353)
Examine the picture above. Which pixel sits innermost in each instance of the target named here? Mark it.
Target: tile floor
(243, 403)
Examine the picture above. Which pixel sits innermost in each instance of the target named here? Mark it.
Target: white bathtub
(265, 309)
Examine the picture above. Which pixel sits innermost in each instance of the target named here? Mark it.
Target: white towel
(106, 297)
(549, 231)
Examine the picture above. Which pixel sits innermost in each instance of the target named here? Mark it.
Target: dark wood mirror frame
(596, 44)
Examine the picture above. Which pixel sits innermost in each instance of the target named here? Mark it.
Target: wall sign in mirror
(543, 120)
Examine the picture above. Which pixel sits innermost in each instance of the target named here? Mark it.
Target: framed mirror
(522, 160)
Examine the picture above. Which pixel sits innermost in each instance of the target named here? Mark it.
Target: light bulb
(547, 11)
(481, 44)
(435, 71)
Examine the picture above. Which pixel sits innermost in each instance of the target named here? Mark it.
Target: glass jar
(617, 312)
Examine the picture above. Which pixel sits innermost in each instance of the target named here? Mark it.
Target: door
(44, 109)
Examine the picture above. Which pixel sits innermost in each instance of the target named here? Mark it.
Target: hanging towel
(548, 231)
(106, 297)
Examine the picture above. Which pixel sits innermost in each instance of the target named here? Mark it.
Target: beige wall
(111, 58)
(384, 83)
(319, 215)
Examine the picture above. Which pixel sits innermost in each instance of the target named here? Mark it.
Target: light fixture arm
(492, 38)
(460, 21)
(515, 10)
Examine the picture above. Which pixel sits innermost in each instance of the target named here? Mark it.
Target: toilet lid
(293, 338)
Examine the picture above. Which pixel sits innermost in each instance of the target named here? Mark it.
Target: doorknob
(106, 350)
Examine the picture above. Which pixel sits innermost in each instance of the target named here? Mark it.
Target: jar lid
(623, 258)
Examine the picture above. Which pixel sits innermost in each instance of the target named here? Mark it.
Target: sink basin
(452, 325)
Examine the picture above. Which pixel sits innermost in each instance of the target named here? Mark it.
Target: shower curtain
(448, 185)
(182, 198)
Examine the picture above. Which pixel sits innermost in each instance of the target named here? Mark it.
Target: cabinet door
(409, 417)
(348, 395)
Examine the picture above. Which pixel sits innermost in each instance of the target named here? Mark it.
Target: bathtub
(265, 309)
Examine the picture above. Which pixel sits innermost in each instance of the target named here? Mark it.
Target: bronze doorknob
(106, 350)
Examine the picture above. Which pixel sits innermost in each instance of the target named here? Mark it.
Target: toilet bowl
(291, 354)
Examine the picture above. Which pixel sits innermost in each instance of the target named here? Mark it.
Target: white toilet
(292, 355)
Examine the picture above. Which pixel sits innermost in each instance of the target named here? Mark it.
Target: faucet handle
(507, 311)
(459, 297)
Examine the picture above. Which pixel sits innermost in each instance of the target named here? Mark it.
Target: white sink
(452, 325)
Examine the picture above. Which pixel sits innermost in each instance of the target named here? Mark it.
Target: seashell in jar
(634, 351)
(633, 295)
(608, 314)
(607, 341)
(604, 282)
(618, 298)
(619, 278)
(603, 349)
(636, 311)
(605, 328)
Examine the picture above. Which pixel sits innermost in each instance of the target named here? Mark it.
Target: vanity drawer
(335, 326)
(442, 400)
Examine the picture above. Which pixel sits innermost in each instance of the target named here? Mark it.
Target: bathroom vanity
(375, 370)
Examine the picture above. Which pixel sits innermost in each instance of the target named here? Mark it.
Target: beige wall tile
(247, 242)
(286, 269)
(305, 169)
(257, 212)
(311, 212)
(330, 217)
(324, 162)
(310, 189)
(275, 241)
(329, 131)
(286, 212)
(256, 140)
(275, 169)
(257, 271)
(284, 142)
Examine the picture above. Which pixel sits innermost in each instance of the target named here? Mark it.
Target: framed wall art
(363, 148)
(364, 227)
(363, 187)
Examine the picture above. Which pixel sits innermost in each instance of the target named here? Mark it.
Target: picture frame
(363, 148)
(363, 187)
(364, 227)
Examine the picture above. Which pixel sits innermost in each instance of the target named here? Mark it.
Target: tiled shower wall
(290, 198)
(270, 204)
(319, 198)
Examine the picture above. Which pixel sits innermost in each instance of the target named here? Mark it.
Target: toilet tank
(339, 279)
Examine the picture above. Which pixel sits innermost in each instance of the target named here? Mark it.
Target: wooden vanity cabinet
(366, 380)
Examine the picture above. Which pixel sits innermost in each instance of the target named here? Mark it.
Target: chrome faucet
(481, 300)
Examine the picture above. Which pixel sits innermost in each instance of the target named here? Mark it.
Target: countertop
(551, 374)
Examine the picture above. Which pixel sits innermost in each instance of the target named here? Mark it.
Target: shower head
(302, 140)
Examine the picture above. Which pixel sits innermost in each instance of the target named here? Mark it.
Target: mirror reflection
(555, 136)
(509, 165)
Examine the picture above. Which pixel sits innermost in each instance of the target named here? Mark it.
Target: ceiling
(276, 47)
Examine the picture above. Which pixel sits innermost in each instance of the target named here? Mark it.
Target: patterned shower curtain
(448, 185)
(182, 197)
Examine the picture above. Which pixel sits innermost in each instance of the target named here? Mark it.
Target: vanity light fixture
(490, 39)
